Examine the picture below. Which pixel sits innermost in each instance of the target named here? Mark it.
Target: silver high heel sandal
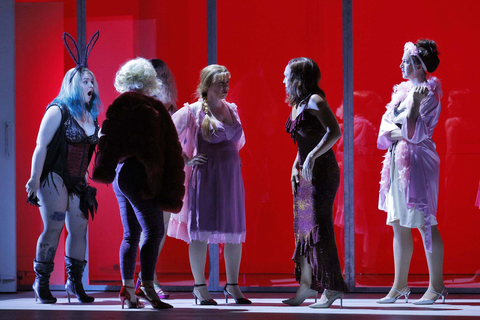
(330, 301)
(300, 298)
(405, 293)
(442, 294)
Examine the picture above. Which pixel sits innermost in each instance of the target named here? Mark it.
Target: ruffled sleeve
(181, 118)
(384, 142)
(426, 121)
(234, 108)
(185, 123)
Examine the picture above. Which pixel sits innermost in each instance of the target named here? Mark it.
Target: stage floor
(265, 306)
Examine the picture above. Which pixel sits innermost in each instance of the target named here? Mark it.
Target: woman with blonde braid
(214, 207)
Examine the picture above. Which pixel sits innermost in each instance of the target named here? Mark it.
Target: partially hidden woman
(58, 184)
(477, 202)
(167, 95)
(214, 207)
(410, 174)
(139, 152)
(315, 179)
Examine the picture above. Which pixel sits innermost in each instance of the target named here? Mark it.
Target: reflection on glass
(376, 35)
(368, 110)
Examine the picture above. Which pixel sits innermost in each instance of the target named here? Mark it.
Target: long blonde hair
(208, 76)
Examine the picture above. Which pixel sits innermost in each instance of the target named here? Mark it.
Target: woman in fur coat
(139, 151)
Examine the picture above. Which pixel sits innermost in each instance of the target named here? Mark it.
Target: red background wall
(380, 30)
(256, 39)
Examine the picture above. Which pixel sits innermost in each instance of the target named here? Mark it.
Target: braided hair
(208, 76)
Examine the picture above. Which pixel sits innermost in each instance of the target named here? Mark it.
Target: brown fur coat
(139, 126)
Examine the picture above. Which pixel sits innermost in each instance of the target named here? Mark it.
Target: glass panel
(256, 39)
(40, 64)
(380, 30)
(174, 31)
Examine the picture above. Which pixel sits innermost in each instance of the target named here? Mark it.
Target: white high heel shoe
(326, 304)
(442, 294)
(405, 293)
(300, 298)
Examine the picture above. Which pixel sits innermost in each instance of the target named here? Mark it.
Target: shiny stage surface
(265, 306)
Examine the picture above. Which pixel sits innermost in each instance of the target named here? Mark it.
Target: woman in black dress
(315, 180)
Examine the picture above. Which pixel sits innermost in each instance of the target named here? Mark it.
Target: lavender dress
(216, 196)
(213, 206)
(313, 207)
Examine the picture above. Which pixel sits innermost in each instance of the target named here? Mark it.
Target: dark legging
(137, 215)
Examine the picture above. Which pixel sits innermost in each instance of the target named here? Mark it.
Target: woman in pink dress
(214, 208)
(410, 174)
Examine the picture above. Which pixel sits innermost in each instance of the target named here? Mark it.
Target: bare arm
(396, 134)
(50, 123)
(319, 107)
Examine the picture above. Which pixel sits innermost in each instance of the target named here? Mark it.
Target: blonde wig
(138, 75)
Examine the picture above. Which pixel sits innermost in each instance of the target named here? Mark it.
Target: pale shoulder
(53, 114)
(231, 105)
(53, 109)
(50, 123)
(316, 102)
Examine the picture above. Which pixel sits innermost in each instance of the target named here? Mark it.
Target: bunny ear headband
(72, 49)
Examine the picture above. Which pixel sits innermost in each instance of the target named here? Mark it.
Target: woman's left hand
(419, 93)
(307, 168)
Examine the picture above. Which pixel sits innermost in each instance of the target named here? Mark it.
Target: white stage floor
(265, 306)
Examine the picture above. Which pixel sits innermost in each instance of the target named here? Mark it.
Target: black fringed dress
(313, 207)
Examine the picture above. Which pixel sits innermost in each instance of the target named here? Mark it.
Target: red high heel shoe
(156, 303)
(161, 293)
(125, 297)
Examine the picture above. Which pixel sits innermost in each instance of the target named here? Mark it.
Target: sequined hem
(327, 273)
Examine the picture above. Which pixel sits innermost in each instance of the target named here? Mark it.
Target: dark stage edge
(265, 306)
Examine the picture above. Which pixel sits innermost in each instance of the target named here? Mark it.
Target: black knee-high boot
(74, 284)
(41, 286)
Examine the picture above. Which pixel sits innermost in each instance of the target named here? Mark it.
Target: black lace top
(70, 151)
(76, 134)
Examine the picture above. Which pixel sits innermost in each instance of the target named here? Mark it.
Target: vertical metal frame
(213, 258)
(8, 206)
(349, 197)
(81, 42)
(81, 25)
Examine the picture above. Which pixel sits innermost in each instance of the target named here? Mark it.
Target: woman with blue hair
(58, 184)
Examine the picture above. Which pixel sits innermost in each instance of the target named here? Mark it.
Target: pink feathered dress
(410, 173)
(214, 205)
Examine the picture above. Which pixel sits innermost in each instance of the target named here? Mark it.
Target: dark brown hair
(304, 78)
(427, 50)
